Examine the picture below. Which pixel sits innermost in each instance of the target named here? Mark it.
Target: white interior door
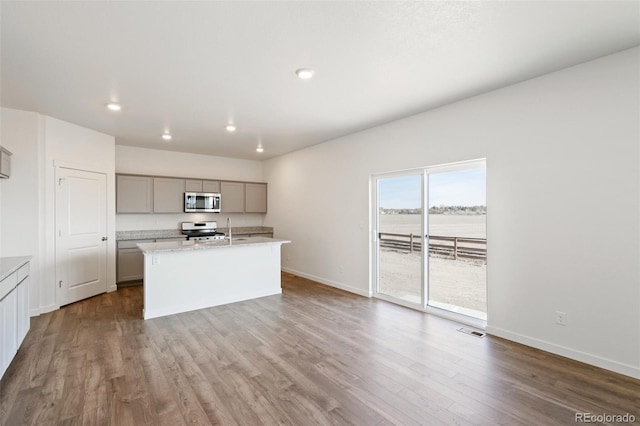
(81, 223)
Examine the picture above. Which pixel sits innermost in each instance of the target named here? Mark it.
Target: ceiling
(189, 68)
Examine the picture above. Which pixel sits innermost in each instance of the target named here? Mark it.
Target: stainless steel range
(202, 231)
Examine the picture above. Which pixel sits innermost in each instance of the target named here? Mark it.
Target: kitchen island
(181, 276)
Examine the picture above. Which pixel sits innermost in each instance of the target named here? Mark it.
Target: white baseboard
(330, 283)
(607, 364)
(42, 310)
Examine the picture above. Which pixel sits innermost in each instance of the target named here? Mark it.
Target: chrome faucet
(229, 227)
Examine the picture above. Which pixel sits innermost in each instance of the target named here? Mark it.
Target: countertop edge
(14, 263)
(150, 248)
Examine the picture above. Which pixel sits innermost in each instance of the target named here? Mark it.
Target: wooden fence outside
(456, 247)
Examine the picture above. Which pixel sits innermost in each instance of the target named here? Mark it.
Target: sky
(457, 188)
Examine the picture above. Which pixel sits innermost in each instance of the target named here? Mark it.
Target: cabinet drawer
(23, 272)
(8, 284)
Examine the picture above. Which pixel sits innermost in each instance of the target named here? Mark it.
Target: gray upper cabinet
(134, 194)
(202, 185)
(168, 195)
(255, 198)
(232, 197)
(210, 186)
(193, 185)
(159, 194)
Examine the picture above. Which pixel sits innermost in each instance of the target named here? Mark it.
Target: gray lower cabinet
(168, 195)
(255, 198)
(14, 314)
(232, 197)
(130, 260)
(260, 234)
(134, 194)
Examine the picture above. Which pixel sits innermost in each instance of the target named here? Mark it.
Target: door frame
(375, 217)
(374, 252)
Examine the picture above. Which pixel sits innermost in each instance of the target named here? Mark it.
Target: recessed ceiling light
(166, 137)
(305, 73)
(259, 149)
(230, 128)
(114, 106)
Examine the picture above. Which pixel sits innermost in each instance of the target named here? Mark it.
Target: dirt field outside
(470, 226)
(457, 284)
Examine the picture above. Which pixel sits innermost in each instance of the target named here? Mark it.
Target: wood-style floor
(314, 355)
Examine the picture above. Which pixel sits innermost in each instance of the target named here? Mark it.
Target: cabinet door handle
(104, 238)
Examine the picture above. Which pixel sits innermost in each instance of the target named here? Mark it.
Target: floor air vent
(475, 333)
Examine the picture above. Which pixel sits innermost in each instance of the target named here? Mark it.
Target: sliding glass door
(430, 238)
(457, 235)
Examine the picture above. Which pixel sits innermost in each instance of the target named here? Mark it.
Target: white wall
(168, 163)
(22, 195)
(563, 190)
(69, 144)
(27, 220)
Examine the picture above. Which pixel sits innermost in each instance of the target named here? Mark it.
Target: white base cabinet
(24, 321)
(14, 314)
(9, 309)
(185, 276)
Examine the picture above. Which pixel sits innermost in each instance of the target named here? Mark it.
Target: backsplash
(145, 222)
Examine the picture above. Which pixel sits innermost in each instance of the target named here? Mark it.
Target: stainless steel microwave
(207, 202)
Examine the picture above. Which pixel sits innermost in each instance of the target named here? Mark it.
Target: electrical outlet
(154, 260)
(561, 318)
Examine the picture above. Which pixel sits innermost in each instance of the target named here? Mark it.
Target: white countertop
(8, 265)
(148, 234)
(208, 245)
(176, 233)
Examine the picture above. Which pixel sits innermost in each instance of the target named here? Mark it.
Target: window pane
(400, 223)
